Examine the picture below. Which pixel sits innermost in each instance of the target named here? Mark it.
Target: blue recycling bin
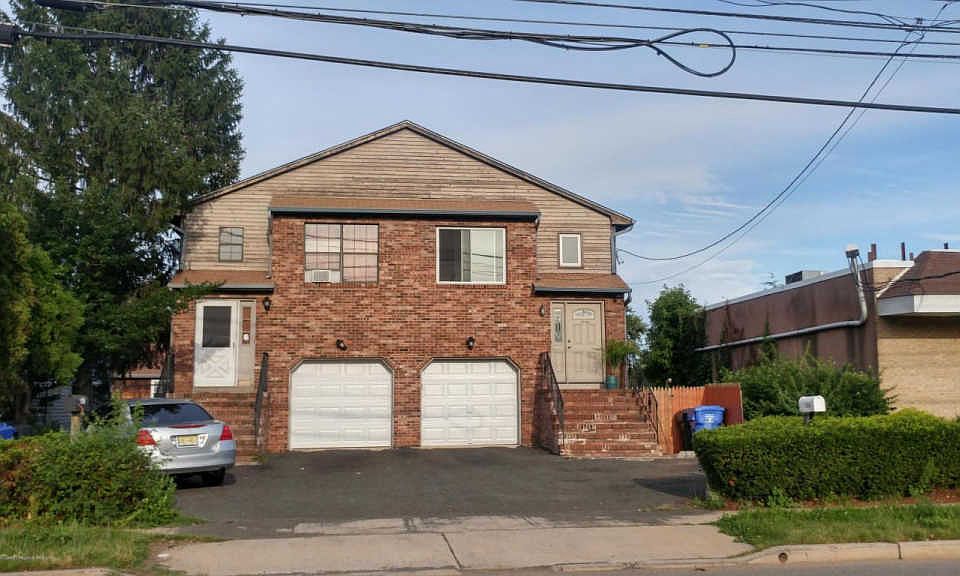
(7, 432)
(706, 417)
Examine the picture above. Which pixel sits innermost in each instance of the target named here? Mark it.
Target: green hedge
(771, 387)
(906, 453)
(99, 477)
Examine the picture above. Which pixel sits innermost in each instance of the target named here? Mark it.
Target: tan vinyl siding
(402, 164)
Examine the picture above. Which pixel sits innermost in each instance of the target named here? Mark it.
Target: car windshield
(173, 414)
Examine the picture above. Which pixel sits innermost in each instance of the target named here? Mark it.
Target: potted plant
(616, 354)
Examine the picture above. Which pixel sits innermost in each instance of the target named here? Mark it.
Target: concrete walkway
(487, 543)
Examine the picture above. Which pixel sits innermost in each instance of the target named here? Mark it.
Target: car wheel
(214, 478)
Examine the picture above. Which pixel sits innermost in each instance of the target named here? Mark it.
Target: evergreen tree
(120, 137)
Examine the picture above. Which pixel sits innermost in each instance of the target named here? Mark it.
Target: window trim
(471, 282)
(341, 252)
(579, 238)
(243, 235)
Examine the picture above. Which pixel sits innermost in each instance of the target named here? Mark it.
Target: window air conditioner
(321, 276)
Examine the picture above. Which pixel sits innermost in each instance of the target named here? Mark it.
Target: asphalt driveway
(299, 489)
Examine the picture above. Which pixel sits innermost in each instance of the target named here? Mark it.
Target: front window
(570, 250)
(341, 252)
(231, 244)
(471, 255)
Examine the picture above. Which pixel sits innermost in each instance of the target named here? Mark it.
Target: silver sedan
(183, 438)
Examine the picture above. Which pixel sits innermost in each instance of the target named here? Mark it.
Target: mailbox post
(810, 406)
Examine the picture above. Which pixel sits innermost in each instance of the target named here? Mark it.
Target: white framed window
(231, 244)
(341, 252)
(570, 250)
(471, 255)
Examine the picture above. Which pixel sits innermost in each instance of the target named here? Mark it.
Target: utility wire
(88, 35)
(822, 153)
(448, 16)
(564, 41)
(574, 42)
(749, 16)
(770, 4)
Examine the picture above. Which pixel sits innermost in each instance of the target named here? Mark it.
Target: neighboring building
(908, 330)
(403, 290)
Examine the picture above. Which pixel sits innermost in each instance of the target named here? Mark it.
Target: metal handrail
(166, 376)
(653, 411)
(550, 378)
(261, 391)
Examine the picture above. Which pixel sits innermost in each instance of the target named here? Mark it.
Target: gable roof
(619, 220)
(934, 272)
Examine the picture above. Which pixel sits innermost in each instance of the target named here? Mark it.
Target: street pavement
(891, 568)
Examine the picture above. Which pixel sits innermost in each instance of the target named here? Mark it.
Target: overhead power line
(564, 41)
(837, 136)
(575, 23)
(88, 35)
(745, 15)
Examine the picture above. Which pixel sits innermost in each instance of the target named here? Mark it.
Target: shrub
(99, 477)
(777, 458)
(772, 387)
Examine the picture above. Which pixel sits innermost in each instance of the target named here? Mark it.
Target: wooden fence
(672, 401)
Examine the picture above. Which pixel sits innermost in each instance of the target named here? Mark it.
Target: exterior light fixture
(266, 304)
(471, 342)
(341, 345)
(543, 310)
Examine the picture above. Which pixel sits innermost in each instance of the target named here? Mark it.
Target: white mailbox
(812, 405)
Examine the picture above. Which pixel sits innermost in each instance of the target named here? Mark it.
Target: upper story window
(341, 252)
(570, 256)
(471, 255)
(231, 244)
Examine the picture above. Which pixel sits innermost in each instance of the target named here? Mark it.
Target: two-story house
(402, 289)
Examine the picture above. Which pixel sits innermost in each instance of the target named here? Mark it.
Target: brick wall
(920, 363)
(405, 319)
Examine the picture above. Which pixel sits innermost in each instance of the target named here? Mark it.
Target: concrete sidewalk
(503, 546)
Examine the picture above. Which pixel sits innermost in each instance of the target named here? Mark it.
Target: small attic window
(231, 244)
(570, 251)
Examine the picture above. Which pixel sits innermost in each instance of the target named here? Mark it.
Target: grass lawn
(765, 527)
(36, 546)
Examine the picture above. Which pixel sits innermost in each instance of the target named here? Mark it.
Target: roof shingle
(933, 272)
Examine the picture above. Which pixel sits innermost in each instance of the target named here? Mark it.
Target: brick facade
(406, 319)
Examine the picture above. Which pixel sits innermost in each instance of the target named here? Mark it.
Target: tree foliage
(772, 386)
(119, 138)
(676, 331)
(39, 319)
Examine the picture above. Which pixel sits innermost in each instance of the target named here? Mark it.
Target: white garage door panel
(340, 405)
(469, 403)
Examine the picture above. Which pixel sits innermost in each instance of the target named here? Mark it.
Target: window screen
(471, 255)
(570, 250)
(349, 251)
(231, 244)
(216, 326)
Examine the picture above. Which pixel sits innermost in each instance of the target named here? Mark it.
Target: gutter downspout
(861, 296)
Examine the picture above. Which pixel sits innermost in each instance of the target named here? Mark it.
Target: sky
(687, 169)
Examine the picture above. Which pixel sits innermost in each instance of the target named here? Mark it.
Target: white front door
(216, 343)
(340, 405)
(469, 403)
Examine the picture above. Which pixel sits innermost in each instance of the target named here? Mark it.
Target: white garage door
(340, 405)
(469, 403)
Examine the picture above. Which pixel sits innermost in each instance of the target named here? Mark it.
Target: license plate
(187, 441)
